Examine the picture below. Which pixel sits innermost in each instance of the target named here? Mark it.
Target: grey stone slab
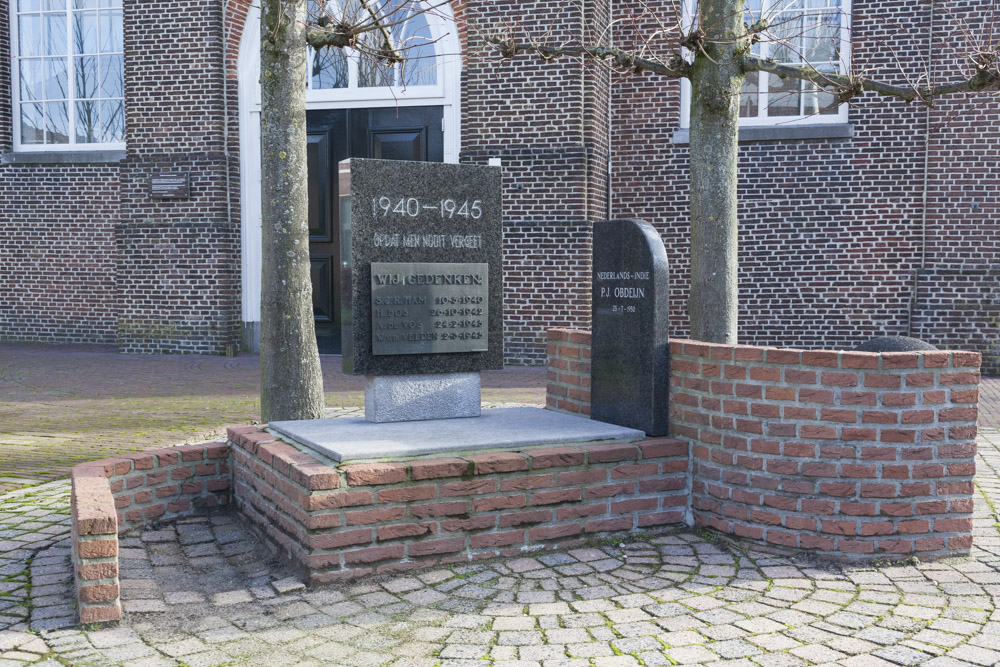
(395, 212)
(630, 377)
(347, 439)
(400, 398)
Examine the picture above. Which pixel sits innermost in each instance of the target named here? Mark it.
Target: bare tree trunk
(715, 97)
(291, 378)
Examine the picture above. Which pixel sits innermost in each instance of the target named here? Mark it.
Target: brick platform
(853, 455)
(353, 520)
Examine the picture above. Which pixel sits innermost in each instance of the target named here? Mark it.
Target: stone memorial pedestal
(400, 398)
(422, 277)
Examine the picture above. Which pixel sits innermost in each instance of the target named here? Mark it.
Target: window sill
(62, 157)
(682, 136)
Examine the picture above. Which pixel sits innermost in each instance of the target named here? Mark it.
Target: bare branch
(985, 79)
(619, 58)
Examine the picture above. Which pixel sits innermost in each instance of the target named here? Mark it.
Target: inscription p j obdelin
(425, 307)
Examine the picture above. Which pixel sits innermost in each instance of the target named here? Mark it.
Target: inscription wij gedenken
(429, 308)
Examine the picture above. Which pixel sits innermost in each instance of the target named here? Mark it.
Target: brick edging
(345, 521)
(855, 455)
(114, 495)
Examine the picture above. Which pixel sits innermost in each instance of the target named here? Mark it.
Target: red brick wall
(178, 269)
(849, 454)
(546, 121)
(568, 382)
(85, 254)
(112, 496)
(95, 546)
(846, 453)
(353, 520)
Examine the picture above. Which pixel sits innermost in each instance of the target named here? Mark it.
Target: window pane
(86, 77)
(815, 101)
(56, 82)
(29, 34)
(822, 37)
(782, 96)
(56, 123)
(111, 31)
(117, 4)
(55, 34)
(748, 96)
(420, 67)
(372, 74)
(329, 69)
(112, 122)
(29, 5)
(87, 121)
(54, 5)
(112, 81)
(787, 31)
(32, 124)
(84, 4)
(85, 32)
(31, 77)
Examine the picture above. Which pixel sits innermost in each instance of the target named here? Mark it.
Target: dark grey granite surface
(894, 344)
(630, 362)
(426, 212)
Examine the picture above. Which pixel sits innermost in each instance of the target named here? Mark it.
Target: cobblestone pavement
(201, 592)
(989, 403)
(63, 404)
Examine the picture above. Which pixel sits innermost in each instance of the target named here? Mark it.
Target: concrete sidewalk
(64, 404)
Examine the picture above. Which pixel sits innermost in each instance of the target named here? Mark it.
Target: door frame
(248, 66)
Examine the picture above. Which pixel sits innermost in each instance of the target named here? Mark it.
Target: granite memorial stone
(422, 245)
(630, 364)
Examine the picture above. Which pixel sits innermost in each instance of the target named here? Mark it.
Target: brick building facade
(885, 223)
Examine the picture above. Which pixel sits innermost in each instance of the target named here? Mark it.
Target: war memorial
(847, 455)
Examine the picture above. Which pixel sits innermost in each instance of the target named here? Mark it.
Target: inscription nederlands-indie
(623, 292)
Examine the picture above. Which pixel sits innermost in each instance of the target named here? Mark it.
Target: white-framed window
(806, 33)
(68, 74)
(348, 75)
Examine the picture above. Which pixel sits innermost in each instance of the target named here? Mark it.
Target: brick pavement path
(199, 592)
(989, 403)
(60, 405)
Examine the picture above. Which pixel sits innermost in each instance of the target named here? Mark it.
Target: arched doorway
(353, 109)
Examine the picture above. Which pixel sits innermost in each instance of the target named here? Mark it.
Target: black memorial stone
(422, 276)
(630, 364)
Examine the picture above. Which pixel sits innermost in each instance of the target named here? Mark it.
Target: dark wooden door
(403, 133)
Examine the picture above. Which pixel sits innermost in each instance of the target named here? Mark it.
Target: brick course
(112, 496)
(849, 454)
(352, 520)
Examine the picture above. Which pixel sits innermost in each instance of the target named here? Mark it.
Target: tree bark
(291, 378)
(716, 79)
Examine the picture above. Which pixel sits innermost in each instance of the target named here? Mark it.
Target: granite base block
(401, 398)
